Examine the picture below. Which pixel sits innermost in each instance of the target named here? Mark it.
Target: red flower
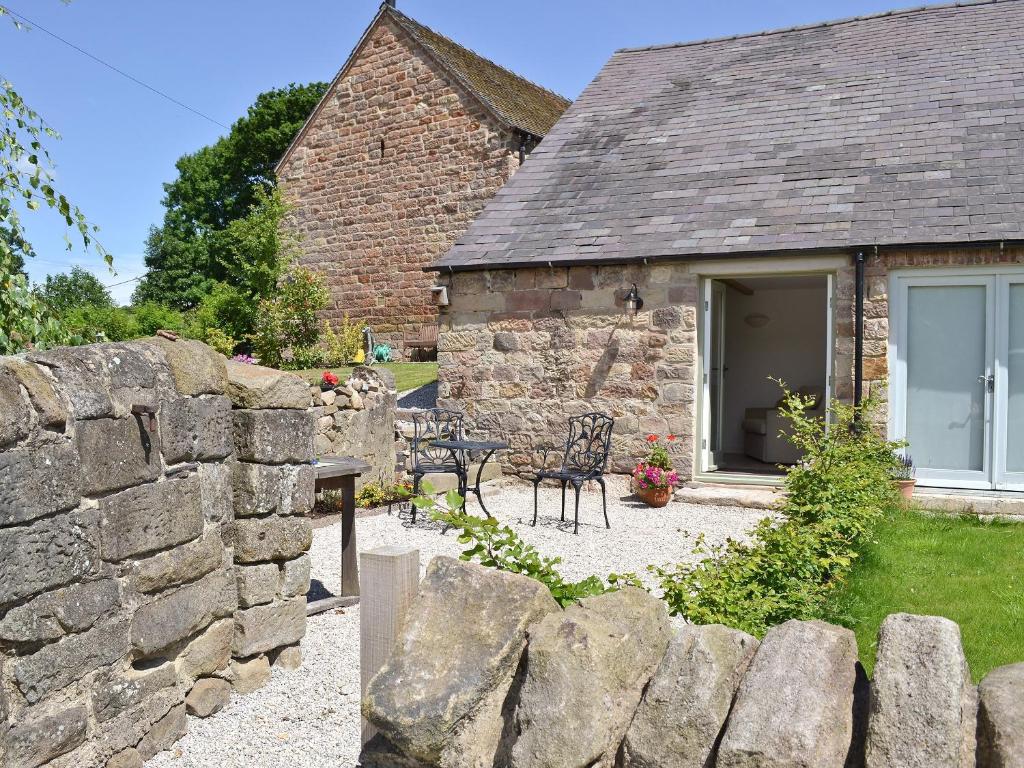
(671, 438)
(652, 438)
(329, 379)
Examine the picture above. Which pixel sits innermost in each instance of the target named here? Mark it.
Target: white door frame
(997, 279)
(705, 464)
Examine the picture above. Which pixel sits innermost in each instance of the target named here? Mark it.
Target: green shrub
(790, 567)
(343, 342)
(152, 317)
(498, 546)
(378, 494)
(288, 321)
(115, 323)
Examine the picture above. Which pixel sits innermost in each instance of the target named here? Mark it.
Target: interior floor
(740, 463)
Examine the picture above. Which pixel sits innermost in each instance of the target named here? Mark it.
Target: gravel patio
(310, 717)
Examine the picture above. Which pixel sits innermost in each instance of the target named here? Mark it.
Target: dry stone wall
(152, 544)
(503, 677)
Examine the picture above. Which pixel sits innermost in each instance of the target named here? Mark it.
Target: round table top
(469, 445)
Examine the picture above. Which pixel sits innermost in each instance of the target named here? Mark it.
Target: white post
(390, 581)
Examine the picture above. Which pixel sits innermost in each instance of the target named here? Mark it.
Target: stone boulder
(208, 697)
(598, 655)
(923, 704)
(256, 387)
(794, 707)
(1001, 718)
(274, 437)
(688, 700)
(197, 369)
(49, 407)
(441, 697)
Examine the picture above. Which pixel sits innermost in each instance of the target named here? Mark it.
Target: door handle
(989, 382)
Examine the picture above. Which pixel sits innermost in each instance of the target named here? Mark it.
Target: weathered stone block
(274, 437)
(15, 415)
(923, 703)
(117, 453)
(249, 675)
(1001, 718)
(38, 480)
(54, 614)
(46, 554)
(261, 489)
(440, 695)
(50, 409)
(598, 655)
(59, 664)
(82, 375)
(197, 369)
(688, 700)
(295, 577)
(174, 617)
(256, 387)
(179, 565)
(164, 733)
(257, 584)
(208, 697)
(196, 429)
(45, 736)
(288, 658)
(126, 758)
(216, 497)
(266, 627)
(116, 692)
(266, 539)
(150, 518)
(208, 653)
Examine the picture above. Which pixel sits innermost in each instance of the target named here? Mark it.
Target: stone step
(749, 496)
(983, 505)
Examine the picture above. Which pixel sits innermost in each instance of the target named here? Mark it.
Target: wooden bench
(425, 339)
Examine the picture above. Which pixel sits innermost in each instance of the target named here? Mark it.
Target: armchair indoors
(764, 428)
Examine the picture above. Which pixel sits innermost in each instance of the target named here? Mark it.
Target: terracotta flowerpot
(907, 488)
(655, 497)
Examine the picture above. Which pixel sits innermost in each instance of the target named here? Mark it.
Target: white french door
(958, 377)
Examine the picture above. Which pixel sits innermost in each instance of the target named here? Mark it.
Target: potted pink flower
(654, 480)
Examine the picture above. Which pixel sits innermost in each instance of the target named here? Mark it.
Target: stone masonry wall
(507, 678)
(357, 418)
(522, 350)
(393, 169)
(151, 544)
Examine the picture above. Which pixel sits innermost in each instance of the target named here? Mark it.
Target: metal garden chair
(585, 458)
(427, 459)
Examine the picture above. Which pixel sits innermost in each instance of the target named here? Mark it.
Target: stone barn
(413, 137)
(839, 206)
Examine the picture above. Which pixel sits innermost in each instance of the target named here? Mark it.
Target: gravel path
(310, 718)
(422, 397)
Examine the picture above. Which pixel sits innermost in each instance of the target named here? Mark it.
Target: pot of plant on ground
(903, 474)
(328, 381)
(654, 480)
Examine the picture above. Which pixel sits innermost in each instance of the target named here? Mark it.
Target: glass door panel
(946, 344)
(1011, 364)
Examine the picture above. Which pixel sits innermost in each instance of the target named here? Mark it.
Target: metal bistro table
(339, 473)
(463, 450)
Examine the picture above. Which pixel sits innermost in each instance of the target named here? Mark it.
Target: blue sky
(120, 141)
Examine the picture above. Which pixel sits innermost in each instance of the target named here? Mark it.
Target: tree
(79, 288)
(196, 247)
(26, 182)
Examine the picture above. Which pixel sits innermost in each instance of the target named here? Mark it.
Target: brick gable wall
(370, 222)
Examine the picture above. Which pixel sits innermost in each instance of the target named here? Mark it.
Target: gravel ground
(310, 718)
(422, 397)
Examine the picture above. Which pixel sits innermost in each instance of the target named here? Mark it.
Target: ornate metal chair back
(435, 424)
(589, 443)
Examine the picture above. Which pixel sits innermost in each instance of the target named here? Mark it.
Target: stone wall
(152, 544)
(390, 172)
(357, 418)
(504, 677)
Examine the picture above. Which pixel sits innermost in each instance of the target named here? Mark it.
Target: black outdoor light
(633, 302)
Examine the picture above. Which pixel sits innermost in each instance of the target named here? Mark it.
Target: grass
(960, 568)
(407, 375)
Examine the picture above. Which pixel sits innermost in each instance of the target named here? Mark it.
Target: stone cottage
(840, 206)
(412, 138)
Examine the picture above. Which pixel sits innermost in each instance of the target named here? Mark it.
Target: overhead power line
(121, 72)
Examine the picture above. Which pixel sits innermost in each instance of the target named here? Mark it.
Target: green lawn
(407, 375)
(960, 568)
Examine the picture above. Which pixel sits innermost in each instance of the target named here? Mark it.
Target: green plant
(656, 470)
(833, 499)
(287, 322)
(111, 323)
(342, 342)
(220, 341)
(498, 546)
(78, 288)
(378, 494)
(152, 317)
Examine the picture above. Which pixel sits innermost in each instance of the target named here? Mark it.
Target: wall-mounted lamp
(633, 302)
(440, 294)
(757, 320)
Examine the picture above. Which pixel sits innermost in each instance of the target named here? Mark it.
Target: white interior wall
(791, 347)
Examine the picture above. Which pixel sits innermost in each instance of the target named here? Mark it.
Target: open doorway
(757, 329)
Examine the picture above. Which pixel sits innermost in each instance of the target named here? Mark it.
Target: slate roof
(903, 128)
(512, 99)
(520, 103)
